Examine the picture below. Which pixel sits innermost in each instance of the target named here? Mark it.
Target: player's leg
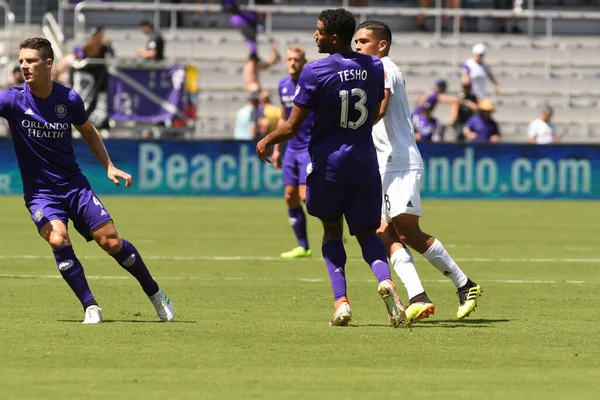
(324, 200)
(420, 306)
(294, 180)
(406, 223)
(50, 218)
(93, 222)
(362, 209)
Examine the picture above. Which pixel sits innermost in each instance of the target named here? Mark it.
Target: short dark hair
(40, 44)
(146, 23)
(381, 29)
(339, 22)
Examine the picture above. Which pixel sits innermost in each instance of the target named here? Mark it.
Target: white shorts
(401, 193)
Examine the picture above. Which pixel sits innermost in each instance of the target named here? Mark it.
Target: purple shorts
(79, 204)
(359, 203)
(295, 167)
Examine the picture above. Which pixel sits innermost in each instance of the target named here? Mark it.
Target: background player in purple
(427, 127)
(296, 159)
(40, 114)
(344, 92)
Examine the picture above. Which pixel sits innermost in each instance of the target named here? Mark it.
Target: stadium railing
(438, 12)
(9, 21)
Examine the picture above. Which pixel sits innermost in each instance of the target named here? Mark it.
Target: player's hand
(114, 174)
(497, 88)
(276, 159)
(264, 151)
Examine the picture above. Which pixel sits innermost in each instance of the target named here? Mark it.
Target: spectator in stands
(427, 127)
(16, 79)
(477, 71)
(245, 119)
(462, 111)
(252, 69)
(268, 114)
(421, 18)
(437, 94)
(481, 127)
(515, 5)
(155, 44)
(541, 130)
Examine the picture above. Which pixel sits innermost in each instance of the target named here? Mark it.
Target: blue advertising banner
(146, 95)
(229, 168)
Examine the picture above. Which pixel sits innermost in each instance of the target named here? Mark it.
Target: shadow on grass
(442, 323)
(132, 321)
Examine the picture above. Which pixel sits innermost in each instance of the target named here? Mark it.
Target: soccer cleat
(418, 311)
(467, 300)
(342, 315)
(163, 305)
(297, 252)
(93, 315)
(395, 310)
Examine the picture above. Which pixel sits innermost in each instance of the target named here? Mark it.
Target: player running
(40, 114)
(401, 167)
(296, 159)
(344, 92)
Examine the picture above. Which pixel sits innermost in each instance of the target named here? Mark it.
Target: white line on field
(308, 280)
(269, 258)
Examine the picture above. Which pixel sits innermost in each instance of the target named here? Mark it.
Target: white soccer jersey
(394, 135)
(542, 131)
(478, 75)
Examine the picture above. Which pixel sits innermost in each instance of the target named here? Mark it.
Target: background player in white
(401, 167)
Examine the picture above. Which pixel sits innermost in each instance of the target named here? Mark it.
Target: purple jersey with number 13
(343, 92)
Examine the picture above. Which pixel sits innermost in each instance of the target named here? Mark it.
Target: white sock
(405, 268)
(439, 258)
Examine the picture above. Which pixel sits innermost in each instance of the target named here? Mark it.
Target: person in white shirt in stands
(477, 71)
(541, 130)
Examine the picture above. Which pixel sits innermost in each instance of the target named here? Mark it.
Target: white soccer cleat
(395, 310)
(342, 315)
(163, 305)
(93, 315)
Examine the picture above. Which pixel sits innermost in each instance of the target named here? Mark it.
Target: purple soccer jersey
(296, 158)
(53, 185)
(287, 90)
(430, 98)
(429, 129)
(41, 131)
(484, 128)
(343, 92)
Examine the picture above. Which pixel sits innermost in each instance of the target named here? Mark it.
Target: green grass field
(256, 327)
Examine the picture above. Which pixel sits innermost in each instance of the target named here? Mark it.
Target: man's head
(335, 29)
(18, 75)
(146, 27)
(254, 98)
(486, 108)
(295, 60)
(547, 113)
(264, 97)
(36, 58)
(479, 51)
(441, 85)
(373, 38)
(97, 34)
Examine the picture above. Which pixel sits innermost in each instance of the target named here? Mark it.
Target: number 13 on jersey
(359, 105)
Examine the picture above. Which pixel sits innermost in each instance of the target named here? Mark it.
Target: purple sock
(373, 251)
(132, 262)
(72, 272)
(335, 259)
(298, 222)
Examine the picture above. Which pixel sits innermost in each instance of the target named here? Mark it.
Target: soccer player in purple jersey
(296, 159)
(344, 92)
(40, 114)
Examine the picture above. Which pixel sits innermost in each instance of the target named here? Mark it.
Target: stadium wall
(229, 168)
